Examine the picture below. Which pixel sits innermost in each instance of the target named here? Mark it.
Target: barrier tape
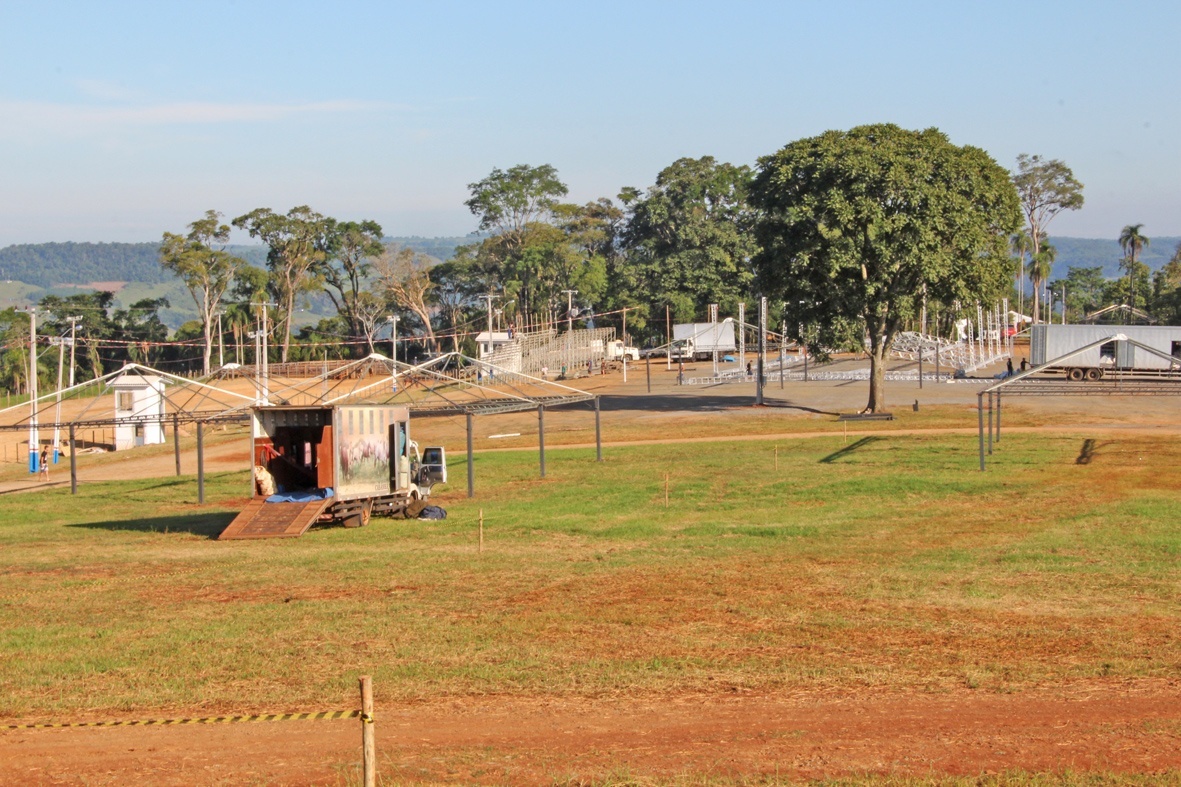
(327, 714)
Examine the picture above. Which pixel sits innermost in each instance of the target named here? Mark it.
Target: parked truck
(1047, 343)
(700, 340)
(617, 351)
(340, 463)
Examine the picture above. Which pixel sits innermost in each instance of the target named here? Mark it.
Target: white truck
(341, 463)
(616, 350)
(700, 340)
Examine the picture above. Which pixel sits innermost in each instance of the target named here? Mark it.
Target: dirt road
(1117, 727)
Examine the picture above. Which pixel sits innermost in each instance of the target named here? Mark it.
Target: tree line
(851, 234)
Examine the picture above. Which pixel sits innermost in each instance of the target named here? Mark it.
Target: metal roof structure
(186, 401)
(450, 384)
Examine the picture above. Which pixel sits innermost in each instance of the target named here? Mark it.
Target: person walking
(43, 472)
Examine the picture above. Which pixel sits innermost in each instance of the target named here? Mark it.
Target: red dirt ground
(1106, 726)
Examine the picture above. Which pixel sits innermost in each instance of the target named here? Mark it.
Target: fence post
(200, 463)
(368, 746)
(176, 440)
(73, 463)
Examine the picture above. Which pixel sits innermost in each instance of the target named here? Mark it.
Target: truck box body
(701, 339)
(358, 451)
(1048, 342)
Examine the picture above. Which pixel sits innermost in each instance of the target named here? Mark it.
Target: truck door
(434, 466)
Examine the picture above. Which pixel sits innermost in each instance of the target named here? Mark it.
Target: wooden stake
(368, 746)
(846, 432)
(481, 530)
(666, 490)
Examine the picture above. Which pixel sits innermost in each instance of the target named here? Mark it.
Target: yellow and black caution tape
(326, 714)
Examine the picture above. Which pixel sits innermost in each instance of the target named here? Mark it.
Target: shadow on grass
(207, 525)
(1089, 451)
(841, 454)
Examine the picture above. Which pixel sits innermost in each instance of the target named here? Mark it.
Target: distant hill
(1106, 254)
(48, 265)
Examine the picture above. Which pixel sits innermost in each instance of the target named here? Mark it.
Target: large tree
(351, 248)
(1132, 241)
(855, 226)
(1046, 188)
(201, 261)
(404, 277)
(688, 238)
(298, 244)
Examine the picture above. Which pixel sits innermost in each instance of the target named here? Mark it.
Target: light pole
(34, 435)
(393, 321)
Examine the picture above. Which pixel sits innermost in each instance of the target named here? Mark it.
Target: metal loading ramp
(261, 519)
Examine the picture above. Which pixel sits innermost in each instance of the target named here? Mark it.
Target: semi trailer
(1048, 343)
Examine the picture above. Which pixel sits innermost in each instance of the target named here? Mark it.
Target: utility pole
(762, 350)
(668, 338)
(742, 334)
(73, 337)
(57, 412)
(570, 308)
(393, 320)
(34, 435)
(713, 318)
(221, 345)
(488, 347)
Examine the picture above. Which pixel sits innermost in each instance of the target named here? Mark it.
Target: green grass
(888, 562)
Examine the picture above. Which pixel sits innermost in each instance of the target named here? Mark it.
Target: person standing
(44, 470)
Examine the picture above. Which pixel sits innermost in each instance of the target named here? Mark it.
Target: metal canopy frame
(1033, 382)
(428, 388)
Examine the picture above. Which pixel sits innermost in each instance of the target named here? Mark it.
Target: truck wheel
(1094, 374)
(1074, 375)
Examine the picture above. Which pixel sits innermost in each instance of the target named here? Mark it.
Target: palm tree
(1039, 271)
(1131, 240)
(1022, 245)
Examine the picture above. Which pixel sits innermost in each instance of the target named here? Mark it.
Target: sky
(120, 121)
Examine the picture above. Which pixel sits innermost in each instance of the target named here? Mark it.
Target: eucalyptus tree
(855, 226)
(298, 243)
(1046, 187)
(201, 261)
(1132, 241)
(351, 248)
(403, 276)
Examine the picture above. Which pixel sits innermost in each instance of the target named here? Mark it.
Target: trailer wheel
(1074, 375)
(1094, 374)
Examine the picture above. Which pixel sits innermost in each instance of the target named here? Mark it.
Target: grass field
(884, 562)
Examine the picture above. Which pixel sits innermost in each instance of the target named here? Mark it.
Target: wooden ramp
(274, 520)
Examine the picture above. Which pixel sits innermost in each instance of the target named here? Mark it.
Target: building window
(125, 401)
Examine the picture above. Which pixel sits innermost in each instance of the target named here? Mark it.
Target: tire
(1094, 374)
(1074, 375)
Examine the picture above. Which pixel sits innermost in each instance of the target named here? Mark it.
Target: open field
(808, 605)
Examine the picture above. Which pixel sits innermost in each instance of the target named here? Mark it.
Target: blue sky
(120, 121)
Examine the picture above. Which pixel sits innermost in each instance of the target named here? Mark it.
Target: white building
(139, 410)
